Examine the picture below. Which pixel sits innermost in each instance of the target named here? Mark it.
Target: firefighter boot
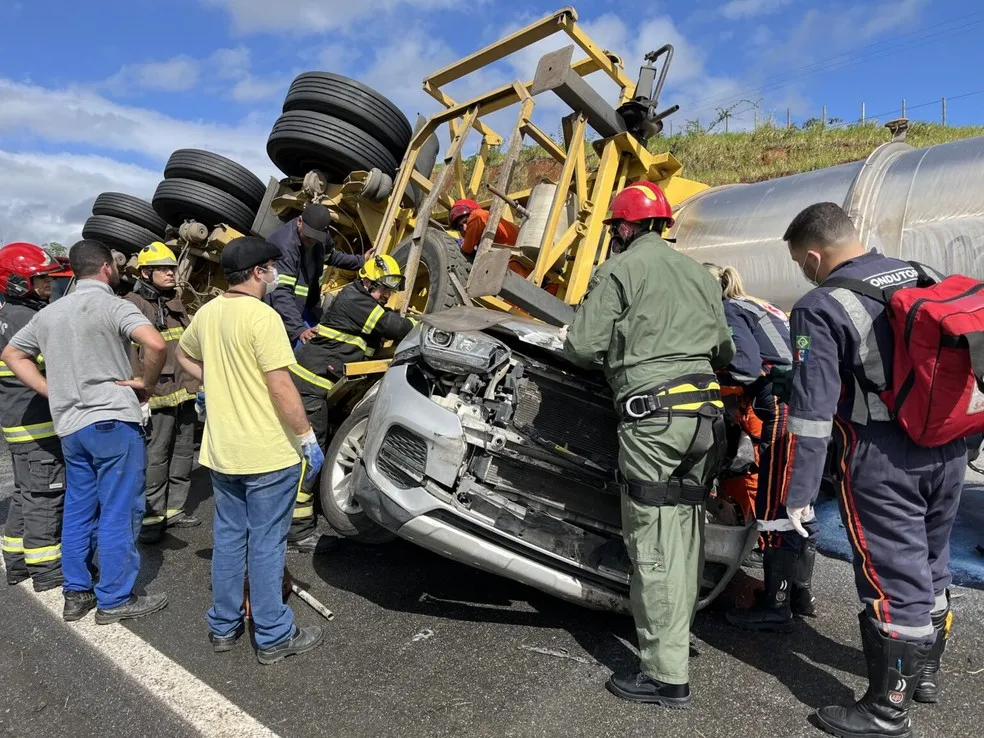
(802, 601)
(928, 689)
(771, 612)
(894, 669)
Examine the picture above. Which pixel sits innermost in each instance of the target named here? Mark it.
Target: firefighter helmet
(641, 201)
(384, 270)
(19, 264)
(156, 254)
(460, 209)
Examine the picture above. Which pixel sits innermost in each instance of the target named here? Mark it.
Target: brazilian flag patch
(802, 342)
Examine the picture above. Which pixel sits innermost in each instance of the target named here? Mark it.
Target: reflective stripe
(871, 361)
(171, 513)
(939, 607)
(774, 526)
(304, 512)
(779, 345)
(13, 545)
(360, 343)
(42, 555)
(172, 334)
(171, 400)
(301, 291)
(304, 497)
(374, 316)
(913, 631)
(23, 433)
(810, 428)
(311, 377)
(680, 388)
(153, 520)
(286, 279)
(4, 371)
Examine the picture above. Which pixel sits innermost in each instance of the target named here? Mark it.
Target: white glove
(563, 333)
(145, 413)
(799, 515)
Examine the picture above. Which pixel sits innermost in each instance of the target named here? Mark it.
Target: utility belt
(691, 396)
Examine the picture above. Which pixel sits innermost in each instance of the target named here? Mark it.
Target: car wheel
(302, 141)
(178, 200)
(219, 172)
(338, 503)
(354, 103)
(433, 290)
(131, 209)
(117, 233)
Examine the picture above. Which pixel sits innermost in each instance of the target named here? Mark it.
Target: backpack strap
(927, 276)
(858, 286)
(975, 345)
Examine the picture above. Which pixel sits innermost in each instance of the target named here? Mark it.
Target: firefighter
(354, 326)
(760, 331)
(305, 248)
(898, 499)
(32, 534)
(666, 459)
(171, 445)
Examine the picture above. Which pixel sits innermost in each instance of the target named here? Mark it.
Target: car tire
(131, 209)
(439, 258)
(339, 507)
(354, 103)
(118, 234)
(301, 141)
(219, 172)
(178, 200)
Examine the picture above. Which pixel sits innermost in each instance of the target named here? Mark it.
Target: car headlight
(461, 353)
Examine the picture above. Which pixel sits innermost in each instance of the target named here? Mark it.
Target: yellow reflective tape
(153, 519)
(680, 388)
(304, 512)
(172, 334)
(304, 497)
(4, 371)
(170, 400)
(286, 279)
(172, 512)
(374, 316)
(311, 377)
(24, 433)
(301, 291)
(12, 545)
(330, 333)
(42, 555)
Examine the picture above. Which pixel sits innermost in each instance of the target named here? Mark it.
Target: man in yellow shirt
(257, 443)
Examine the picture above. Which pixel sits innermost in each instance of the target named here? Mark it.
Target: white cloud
(316, 16)
(738, 9)
(174, 75)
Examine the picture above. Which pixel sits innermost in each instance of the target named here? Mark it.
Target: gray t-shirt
(85, 339)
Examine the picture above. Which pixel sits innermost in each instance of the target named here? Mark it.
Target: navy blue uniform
(898, 500)
(761, 335)
(299, 282)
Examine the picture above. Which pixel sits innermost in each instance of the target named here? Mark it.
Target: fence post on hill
(944, 111)
(823, 118)
(862, 112)
(789, 121)
(903, 107)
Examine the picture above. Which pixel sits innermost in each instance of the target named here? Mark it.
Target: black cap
(315, 221)
(247, 252)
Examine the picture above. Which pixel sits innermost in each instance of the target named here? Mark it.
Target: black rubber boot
(894, 667)
(928, 689)
(803, 602)
(640, 687)
(771, 612)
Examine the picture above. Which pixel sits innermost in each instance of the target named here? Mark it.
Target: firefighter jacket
(299, 270)
(652, 315)
(761, 335)
(24, 414)
(842, 360)
(353, 327)
(170, 316)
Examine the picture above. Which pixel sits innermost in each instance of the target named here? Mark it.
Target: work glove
(313, 455)
(200, 406)
(799, 515)
(145, 414)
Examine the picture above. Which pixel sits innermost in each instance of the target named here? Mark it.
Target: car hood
(526, 330)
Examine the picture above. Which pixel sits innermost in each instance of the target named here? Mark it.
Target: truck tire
(219, 172)
(338, 505)
(117, 233)
(439, 258)
(178, 200)
(302, 141)
(131, 209)
(354, 103)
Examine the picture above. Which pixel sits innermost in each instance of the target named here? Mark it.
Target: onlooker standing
(85, 339)
(255, 427)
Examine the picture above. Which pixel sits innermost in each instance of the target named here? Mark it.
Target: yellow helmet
(383, 269)
(156, 255)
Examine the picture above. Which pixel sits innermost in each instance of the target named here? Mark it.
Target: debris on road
(560, 653)
(310, 600)
(423, 635)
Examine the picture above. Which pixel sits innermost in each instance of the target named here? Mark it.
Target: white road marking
(178, 689)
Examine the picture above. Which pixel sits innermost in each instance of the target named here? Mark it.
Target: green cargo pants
(665, 545)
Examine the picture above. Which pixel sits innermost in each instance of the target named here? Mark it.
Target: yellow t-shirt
(238, 340)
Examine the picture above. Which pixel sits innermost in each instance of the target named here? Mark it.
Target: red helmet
(462, 208)
(641, 201)
(19, 262)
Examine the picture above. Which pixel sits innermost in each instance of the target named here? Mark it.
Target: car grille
(402, 457)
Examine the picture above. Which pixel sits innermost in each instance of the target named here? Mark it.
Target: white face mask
(269, 287)
(814, 280)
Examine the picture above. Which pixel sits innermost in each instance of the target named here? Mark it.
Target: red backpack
(937, 383)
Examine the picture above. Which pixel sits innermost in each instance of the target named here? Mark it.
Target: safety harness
(692, 396)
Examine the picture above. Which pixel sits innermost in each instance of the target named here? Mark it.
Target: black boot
(928, 689)
(802, 601)
(640, 687)
(771, 612)
(77, 604)
(894, 667)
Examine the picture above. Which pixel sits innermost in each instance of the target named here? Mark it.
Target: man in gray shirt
(95, 406)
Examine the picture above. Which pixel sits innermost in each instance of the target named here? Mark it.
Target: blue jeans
(252, 517)
(105, 464)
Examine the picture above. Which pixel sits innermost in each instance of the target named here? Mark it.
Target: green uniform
(653, 315)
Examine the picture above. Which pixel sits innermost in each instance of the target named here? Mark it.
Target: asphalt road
(421, 646)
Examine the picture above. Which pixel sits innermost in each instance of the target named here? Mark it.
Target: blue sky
(95, 95)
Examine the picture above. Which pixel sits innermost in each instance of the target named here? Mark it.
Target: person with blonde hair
(760, 332)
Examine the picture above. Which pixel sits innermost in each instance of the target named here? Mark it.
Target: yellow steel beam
(545, 142)
(603, 60)
(479, 169)
(361, 368)
(426, 185)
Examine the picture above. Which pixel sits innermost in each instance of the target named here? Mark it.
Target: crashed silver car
(483, 444)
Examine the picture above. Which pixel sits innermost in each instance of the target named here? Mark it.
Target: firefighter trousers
(32, 534)
(304, 522)
(170, 453)
(898, 501)
(665, 545)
